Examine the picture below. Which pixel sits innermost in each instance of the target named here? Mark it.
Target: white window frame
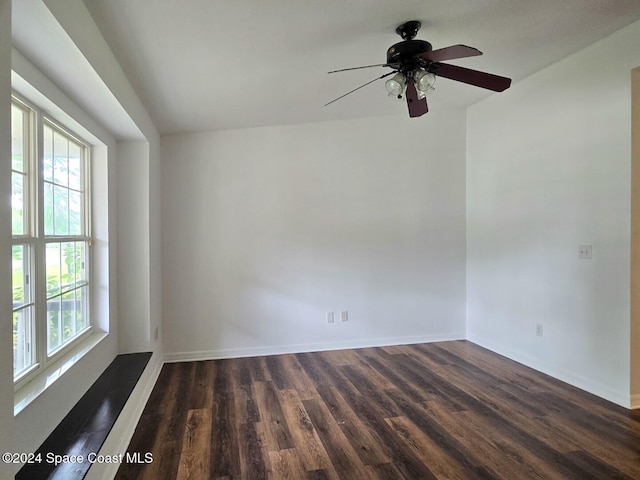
(34, 236)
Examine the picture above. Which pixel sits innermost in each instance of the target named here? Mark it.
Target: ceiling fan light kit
(416, 66)
(424, 82)
(396, 85)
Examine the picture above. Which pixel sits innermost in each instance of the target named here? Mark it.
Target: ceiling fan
(416, 65)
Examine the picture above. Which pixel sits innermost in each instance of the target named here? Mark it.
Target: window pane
(75, 213)
(23, 344)
(67, 317)
(48, 209)
(81, 259)
(54, 325)
(53, 269)
(68, 266)
(75, 259)
(18, 117)
(60, 171)
(68, 314)
(60, 156)
(75, 166)
(65, 267)
(18, 198)
(60, 210)
(20, 275)
(82, 319)
(23, 329)
(48, 153)
(19, 213)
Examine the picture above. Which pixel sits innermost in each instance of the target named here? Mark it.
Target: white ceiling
(210, 64)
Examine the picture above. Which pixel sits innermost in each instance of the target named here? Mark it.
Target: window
(51, 239)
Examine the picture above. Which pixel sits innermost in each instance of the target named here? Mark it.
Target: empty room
(320, 240)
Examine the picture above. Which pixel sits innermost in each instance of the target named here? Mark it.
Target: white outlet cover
(585, 252)
(344, 316)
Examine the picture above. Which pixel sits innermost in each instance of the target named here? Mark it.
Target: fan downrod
(409, 30)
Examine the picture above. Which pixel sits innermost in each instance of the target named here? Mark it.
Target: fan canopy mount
(408, 30)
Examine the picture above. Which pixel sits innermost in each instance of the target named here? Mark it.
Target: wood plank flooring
(432, 411)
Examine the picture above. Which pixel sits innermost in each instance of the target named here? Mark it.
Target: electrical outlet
(330, 317)
(344, 316)
(584, 252)
(539, 330)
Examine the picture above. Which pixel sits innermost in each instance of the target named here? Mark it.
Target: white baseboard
(588, 385)
(118, 439)
(307, 347)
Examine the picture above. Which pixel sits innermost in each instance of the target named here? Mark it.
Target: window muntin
(51, 239)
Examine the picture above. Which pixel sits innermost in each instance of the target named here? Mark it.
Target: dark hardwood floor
(440, 410)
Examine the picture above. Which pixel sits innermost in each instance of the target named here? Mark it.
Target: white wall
(155, 246)
(6, 358)
(635, 239)
(133, 235)
(267, 229)
(548, 169)
(139, 272)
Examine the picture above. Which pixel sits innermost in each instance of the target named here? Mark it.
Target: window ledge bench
(86, 426)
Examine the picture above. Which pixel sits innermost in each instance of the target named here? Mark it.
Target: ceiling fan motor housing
(405, 52)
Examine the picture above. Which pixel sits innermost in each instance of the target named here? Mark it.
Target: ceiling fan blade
(472, 77)
(449, 53)
(417, 107)
(358, 68)
(358, 88)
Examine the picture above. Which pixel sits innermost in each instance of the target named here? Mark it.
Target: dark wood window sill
(86, 426)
